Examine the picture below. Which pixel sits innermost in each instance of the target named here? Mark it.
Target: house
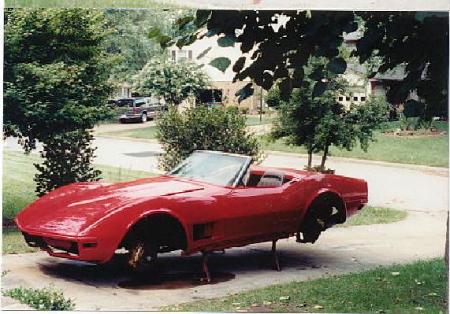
(223, 89)
(362, 87)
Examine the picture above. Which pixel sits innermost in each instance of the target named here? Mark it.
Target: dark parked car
(139, 109)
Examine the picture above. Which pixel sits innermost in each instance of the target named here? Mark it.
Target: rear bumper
(87, 249)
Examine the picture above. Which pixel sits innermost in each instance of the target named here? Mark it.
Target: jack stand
(207, 277)
(276, 263)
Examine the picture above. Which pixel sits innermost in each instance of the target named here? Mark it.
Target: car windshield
(125, 103)
(213, 167)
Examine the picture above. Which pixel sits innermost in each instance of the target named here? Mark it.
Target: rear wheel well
(326, 210)
(161, 229)
(330, 199)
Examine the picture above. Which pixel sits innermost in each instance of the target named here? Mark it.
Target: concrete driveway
(423, 191)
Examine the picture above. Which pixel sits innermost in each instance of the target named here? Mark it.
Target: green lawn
(430, 151)
(412, 288)
(375, 215)
(255, 119)
(152, 4)
(142, 133)
(13, 242)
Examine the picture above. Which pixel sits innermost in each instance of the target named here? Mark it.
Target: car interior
(267, 178)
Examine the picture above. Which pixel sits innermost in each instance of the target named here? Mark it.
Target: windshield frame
(239, 174)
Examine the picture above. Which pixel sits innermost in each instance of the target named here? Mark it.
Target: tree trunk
(309, 157)
(324, 157)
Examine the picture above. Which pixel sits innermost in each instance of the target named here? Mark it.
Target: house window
(181, 55)
(363, 98)
(341, 98)
(210, 96)
(355, 98)
(347, 98)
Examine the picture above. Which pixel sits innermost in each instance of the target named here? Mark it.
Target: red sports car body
(211, 202)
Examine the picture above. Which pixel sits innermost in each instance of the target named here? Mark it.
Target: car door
(256, 212)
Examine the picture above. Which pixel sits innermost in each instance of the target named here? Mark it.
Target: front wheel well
(163, 229)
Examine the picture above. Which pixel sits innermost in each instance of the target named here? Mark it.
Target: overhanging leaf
(285, 87)
(164, 40)
(245, 92)
(226, 41)
(181, 22)
(203, 53)
(239, 64)
(202, 17)
(337, 66)
(221, 63)
(319, 88)
(154, 32)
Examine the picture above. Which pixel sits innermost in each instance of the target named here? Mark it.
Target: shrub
(174, 82)
(244, 110)
(67, 158)
(221, 129)
(41, 299)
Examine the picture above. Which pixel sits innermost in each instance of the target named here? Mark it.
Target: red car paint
(95, 217)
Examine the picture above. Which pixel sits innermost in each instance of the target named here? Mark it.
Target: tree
(55, 83)
(130, 42)
(318, 121)
(222, 129)
(173, 81)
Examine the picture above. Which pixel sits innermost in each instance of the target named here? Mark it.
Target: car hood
(70, 209)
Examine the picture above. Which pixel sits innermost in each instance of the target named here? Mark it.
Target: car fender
(319, 192)
(153, 212)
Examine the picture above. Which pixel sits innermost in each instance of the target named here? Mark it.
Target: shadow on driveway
(178, 272)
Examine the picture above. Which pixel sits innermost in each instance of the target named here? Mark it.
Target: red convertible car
(211, 201)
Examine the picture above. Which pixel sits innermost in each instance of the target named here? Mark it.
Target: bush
(41, 299)
(67, 158)
(220, 129)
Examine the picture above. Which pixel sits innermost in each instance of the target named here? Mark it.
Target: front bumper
(87, 249)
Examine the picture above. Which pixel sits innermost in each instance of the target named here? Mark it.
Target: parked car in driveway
(211, 201)
(138, 109)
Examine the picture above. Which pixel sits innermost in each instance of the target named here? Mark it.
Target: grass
(151, 4)
(375, 215)
(429, 151)
(141, 133)
(45, 299)
(13, 242)
(255, 119)
(420, 286)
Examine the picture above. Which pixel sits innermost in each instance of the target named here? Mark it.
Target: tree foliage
(173, 81)
(129, 40)
(417, 40)
(67, 159)
(275, 54)
(221, 129)
(275, 44)
(55, 87)
(317, 121)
